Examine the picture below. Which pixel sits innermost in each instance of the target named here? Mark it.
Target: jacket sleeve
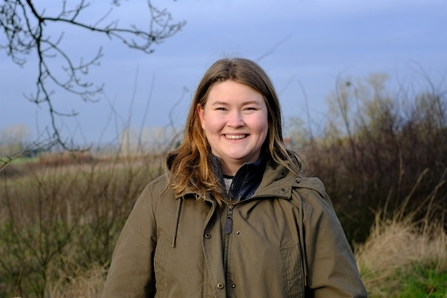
(332, 269)
(131, 273)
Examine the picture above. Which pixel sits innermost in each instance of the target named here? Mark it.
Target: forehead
(231, 91)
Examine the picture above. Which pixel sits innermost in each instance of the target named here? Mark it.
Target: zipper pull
(228, 227)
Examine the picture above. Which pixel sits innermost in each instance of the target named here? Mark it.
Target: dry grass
(81, 284)
(59, 224)
(394, 247)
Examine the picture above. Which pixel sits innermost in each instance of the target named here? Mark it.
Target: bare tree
(27, 30)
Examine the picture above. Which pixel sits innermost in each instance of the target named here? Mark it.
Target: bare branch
(6, 161)
(26, 30)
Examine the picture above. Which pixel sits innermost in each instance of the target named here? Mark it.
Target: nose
(235, 119)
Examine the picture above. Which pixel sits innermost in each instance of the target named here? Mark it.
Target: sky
(303, 45)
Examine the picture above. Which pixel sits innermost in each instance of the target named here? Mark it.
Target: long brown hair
(189, 164)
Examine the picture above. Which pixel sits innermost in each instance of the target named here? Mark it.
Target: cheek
(263, 124)
(214, 123)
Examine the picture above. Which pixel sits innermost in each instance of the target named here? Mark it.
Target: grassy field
(402, 258)
(59, 224)
(25, 160)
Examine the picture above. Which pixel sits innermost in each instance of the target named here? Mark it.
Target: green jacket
(286, 241)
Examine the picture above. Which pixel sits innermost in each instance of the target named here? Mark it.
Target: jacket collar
(276, 180)
(246, 180)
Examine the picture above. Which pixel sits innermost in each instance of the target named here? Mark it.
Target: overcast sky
(309, 43)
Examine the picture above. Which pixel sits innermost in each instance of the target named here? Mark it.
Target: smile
(235, 137)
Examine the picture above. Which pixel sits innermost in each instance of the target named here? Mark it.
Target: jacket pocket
(293, 271)
(161, 265)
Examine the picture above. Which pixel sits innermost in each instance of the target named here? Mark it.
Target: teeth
(235, 137)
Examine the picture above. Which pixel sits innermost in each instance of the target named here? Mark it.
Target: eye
(221, 109)
(250, 108)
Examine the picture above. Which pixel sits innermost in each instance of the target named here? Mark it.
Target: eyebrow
(216, 103)
(244, 103)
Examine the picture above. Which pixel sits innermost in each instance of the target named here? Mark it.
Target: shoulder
(311, 193)
(309, 184)
(157, 190)
(158, 183)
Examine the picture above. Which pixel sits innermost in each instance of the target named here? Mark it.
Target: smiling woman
(233, 216)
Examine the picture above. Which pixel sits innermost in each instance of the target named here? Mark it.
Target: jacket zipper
(228, 228)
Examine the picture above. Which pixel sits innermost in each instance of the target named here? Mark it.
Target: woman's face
(235, 122)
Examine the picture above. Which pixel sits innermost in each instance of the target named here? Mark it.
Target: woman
(233, 216)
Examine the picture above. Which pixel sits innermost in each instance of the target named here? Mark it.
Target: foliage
(53, 217)
(424, 282)
(381, 151)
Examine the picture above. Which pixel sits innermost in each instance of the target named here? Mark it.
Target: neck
(229, 170)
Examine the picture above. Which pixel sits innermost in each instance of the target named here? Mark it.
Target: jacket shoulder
(309, 184)
(157, 190)
(310, 191)
(158, 183)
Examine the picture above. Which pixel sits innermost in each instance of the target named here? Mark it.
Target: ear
(201, 113)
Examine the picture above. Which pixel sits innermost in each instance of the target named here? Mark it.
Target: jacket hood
(278, 181)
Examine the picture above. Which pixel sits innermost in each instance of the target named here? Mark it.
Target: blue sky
(310, 43)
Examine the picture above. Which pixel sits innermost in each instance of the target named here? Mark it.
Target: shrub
(57, 216)
(381, 149)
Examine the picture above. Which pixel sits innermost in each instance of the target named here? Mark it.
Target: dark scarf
(246, 180)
